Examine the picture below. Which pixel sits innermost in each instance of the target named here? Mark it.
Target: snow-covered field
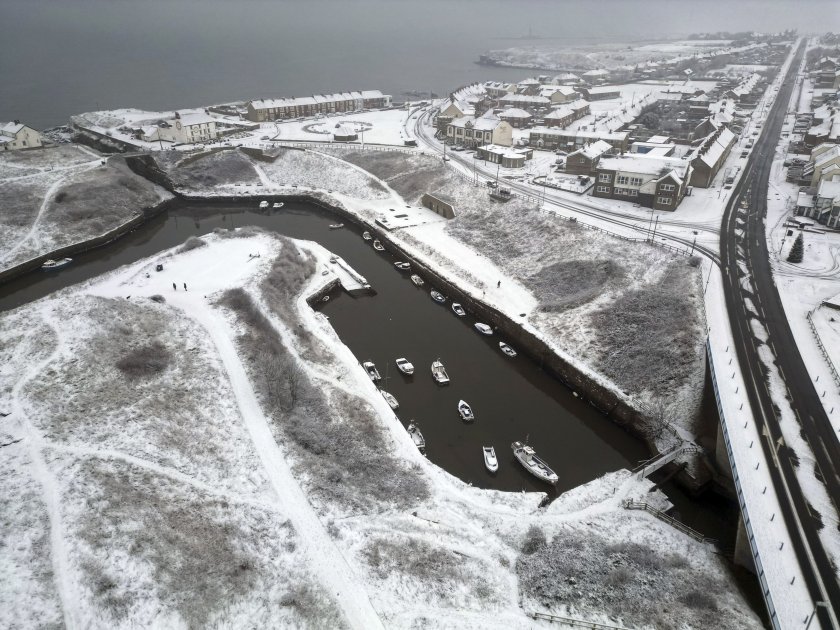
(154, 477)
(58, 196)
(385, 127)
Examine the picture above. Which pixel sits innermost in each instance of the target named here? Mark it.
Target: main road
(749, 207)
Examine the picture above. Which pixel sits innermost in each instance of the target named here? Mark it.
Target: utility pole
(655, 225)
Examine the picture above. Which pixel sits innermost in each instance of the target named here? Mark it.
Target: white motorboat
(336, 226)
(484, 329)
(490, 461)
(366, 235)
(458, 309)
(370, 368)
(55, 264)
(416, 436)
(417, 280)
(333, 259)
(438, 297)
(466, 411)
(532, 463)
(402, 266)
(405, 366)
(389, 398)
(507, 349)
(263, 204)
(378, 246)
(439, 372)
(278, 204)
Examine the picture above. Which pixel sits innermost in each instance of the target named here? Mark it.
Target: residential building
(457, 108)
(497, 89)
(565, 115)
(525, 101)
(559, 94)
(600, 93)
(551, 138)
(821, 203)
(515, 117)
(824, 163)
(585, 160)
(282, 108)
(15, 135)
(508, 157)
(708, 158)
(653, 182)
(475, 132)
(566, 78)
(744, 91)
(188, 128)
(595, 76)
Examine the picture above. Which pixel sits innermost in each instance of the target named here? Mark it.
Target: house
(188, 128)
(707, 159)
(456, 108)
(584, 160)
(475, 132)
(743, 92)
(532, 103)
(566, 78)
(551, 138)
(824, 163)
(15, 135)
(497, 89)
(559, 94)
(566, 114)
(515, 117)
(822, 203)
(600, 93)
(662, 149)
(307, 106)
(595, 76)
(654, 182)
(506, 156)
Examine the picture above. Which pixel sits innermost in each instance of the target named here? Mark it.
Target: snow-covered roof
(804, 200)
(578, 104)
(826, 155)
(523, 98)
(315, 99)
(713, 148)
(643, 164)
(594, 149)
(10, 128)
(565, 90)
(566, 76)
(343, 131)
(507, 152)
(189, 120)
(595, 73)
(658, 140)
(829, 189)
(485, 123)
(514, 112)
(604, 89)
(619, 136)
(560, 113)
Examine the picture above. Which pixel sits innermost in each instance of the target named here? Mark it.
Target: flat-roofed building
(508, 157)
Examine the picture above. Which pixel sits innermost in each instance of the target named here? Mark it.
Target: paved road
(747, 210)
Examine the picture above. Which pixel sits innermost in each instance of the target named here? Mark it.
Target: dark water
(512, 398)
(63, 57)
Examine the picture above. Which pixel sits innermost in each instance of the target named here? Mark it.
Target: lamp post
(814, 612)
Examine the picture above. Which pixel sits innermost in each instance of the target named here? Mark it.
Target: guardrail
(630, 504)
(575, 623)
(745, 517)
(825, 354)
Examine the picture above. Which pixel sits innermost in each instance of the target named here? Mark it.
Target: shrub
(157, 298)
(193, 242)
(145, 361)
(534, 540)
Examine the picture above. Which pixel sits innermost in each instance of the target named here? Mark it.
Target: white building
(475, 132)
(16, 135)
(183, 129)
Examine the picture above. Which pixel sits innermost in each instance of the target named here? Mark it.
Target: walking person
(185, 286)
(174, 287)
(498, 284)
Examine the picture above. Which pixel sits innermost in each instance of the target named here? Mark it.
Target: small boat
(484, 329)
(466, 411)
(389, 398)
(378, 246)
(370, 368)
(55, 264)
(416, 436)
(336, 226)
(402, 266)
(263, 204)
(533, 464)
(439, 372)
(366, 235)
(417, 280)
(333, 259)
(490, 461)
(326, 298)
(459, 310)
(405, 366)
(507, 349)
(278, 204)
(438, 297)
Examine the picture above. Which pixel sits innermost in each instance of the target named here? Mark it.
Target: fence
(825, 354)
(630, 504)
(575, 623)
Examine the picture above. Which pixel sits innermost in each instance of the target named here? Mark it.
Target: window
(604, 177)
(635, 181)
(602, 189)
(665, 201)
(621, 179)
(667, 188)
(627, 192)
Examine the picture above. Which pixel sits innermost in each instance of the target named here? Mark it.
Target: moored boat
(370, 368)
(402, 266)
(366, 235)
(458, 309)
(532, 463)
(417, 280)
(278, 204)
(336, 226)
(389, 398)
(263, 204)
(416, 436)
(490, 461)
(466, 411)
(484, 329)
(439, 372)
(378, 246)
(438, 297)
(55, 264)
(507, 349)
(405, 366)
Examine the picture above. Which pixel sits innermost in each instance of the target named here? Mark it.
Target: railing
(655, 463)
(745, 517)
(575, 623)
(825, 354)
(630, 504)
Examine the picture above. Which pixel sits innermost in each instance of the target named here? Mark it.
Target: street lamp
(814, 612)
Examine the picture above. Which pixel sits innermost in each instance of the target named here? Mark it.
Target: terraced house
(651, 181)
(282, 108)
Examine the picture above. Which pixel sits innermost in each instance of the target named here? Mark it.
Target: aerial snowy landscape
(512, 318)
